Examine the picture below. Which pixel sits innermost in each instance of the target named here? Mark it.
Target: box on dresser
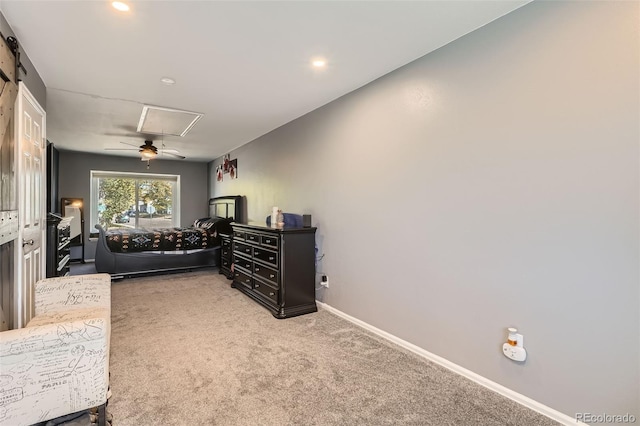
(275, 267)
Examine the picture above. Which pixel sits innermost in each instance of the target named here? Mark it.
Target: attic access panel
(166, 121)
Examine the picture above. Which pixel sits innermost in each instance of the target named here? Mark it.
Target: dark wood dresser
(58, 246)
(276, 267)
(225, 255)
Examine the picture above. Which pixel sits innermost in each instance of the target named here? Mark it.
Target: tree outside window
(115, 196)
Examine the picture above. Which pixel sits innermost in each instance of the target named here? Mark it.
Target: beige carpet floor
(186, 349)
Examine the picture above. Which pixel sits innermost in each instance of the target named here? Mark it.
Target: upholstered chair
(59, 363)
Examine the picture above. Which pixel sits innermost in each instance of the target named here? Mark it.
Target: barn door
(8, 186)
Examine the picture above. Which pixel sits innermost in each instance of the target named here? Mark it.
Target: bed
(131, 252)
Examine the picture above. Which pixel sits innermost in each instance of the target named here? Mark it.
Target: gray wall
(32, 79)
(489, 184)
(75, 181)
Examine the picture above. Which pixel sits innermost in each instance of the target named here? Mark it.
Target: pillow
(212, 223)
(198, 222)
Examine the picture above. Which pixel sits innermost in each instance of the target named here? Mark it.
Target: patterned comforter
(165, 239)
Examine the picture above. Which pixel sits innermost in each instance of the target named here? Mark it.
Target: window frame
(95, 175)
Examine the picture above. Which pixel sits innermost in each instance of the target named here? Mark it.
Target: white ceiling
(244, 64)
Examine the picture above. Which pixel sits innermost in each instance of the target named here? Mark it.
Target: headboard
(227, 206)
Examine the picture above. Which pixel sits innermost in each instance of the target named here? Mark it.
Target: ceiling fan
(148, 151)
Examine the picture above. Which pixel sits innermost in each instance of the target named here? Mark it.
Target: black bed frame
(121, 265)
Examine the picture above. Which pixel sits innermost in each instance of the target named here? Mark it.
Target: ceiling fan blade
(125, 143)
(120, 149)
(169, 151)
(124, 135)
(175, 155)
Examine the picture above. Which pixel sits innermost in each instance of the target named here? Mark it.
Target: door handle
(30, 242)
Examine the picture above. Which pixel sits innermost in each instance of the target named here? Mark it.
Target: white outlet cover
(515, 353)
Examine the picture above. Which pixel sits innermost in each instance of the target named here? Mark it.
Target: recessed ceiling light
(319, 63)
(122, 7)
(168, 81)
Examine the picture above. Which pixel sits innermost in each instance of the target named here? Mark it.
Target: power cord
(324, 276)
(323, 279)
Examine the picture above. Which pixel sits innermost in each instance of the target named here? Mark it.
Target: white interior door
(31, 202)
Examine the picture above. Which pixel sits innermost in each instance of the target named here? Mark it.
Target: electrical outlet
(514, 348)
(325, 281)
(515, 353)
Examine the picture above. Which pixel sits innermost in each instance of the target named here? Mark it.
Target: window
(130, 200)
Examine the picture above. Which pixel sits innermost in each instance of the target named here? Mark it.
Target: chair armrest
(54, 369)
(71, 292)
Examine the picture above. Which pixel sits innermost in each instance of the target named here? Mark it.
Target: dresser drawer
(267, 292)
(269, 240)
(243, 263)
(252, 238)
(242, 278)
(226, 244)
(268, 256)
(226, 251)
(266, 273)
(242, 248)
(226, 263)
(238, 235)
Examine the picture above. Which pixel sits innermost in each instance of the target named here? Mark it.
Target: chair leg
(102, 415)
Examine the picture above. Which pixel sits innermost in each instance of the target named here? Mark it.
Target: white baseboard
(489, 384)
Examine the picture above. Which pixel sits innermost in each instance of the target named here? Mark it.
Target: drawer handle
(247, 280)
(257, 285)
(272, 258)
(256, 252)
(271, 293)
(237, 274)
(257, 269)
(271, 276)
(247, 250)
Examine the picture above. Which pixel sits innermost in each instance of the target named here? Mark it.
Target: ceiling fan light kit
(148, 151)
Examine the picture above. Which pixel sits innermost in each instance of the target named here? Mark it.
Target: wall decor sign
(233, 169)
(226, 160)
(228, 166)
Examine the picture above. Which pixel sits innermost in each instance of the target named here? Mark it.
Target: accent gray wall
(489, 184)
(75, 181)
